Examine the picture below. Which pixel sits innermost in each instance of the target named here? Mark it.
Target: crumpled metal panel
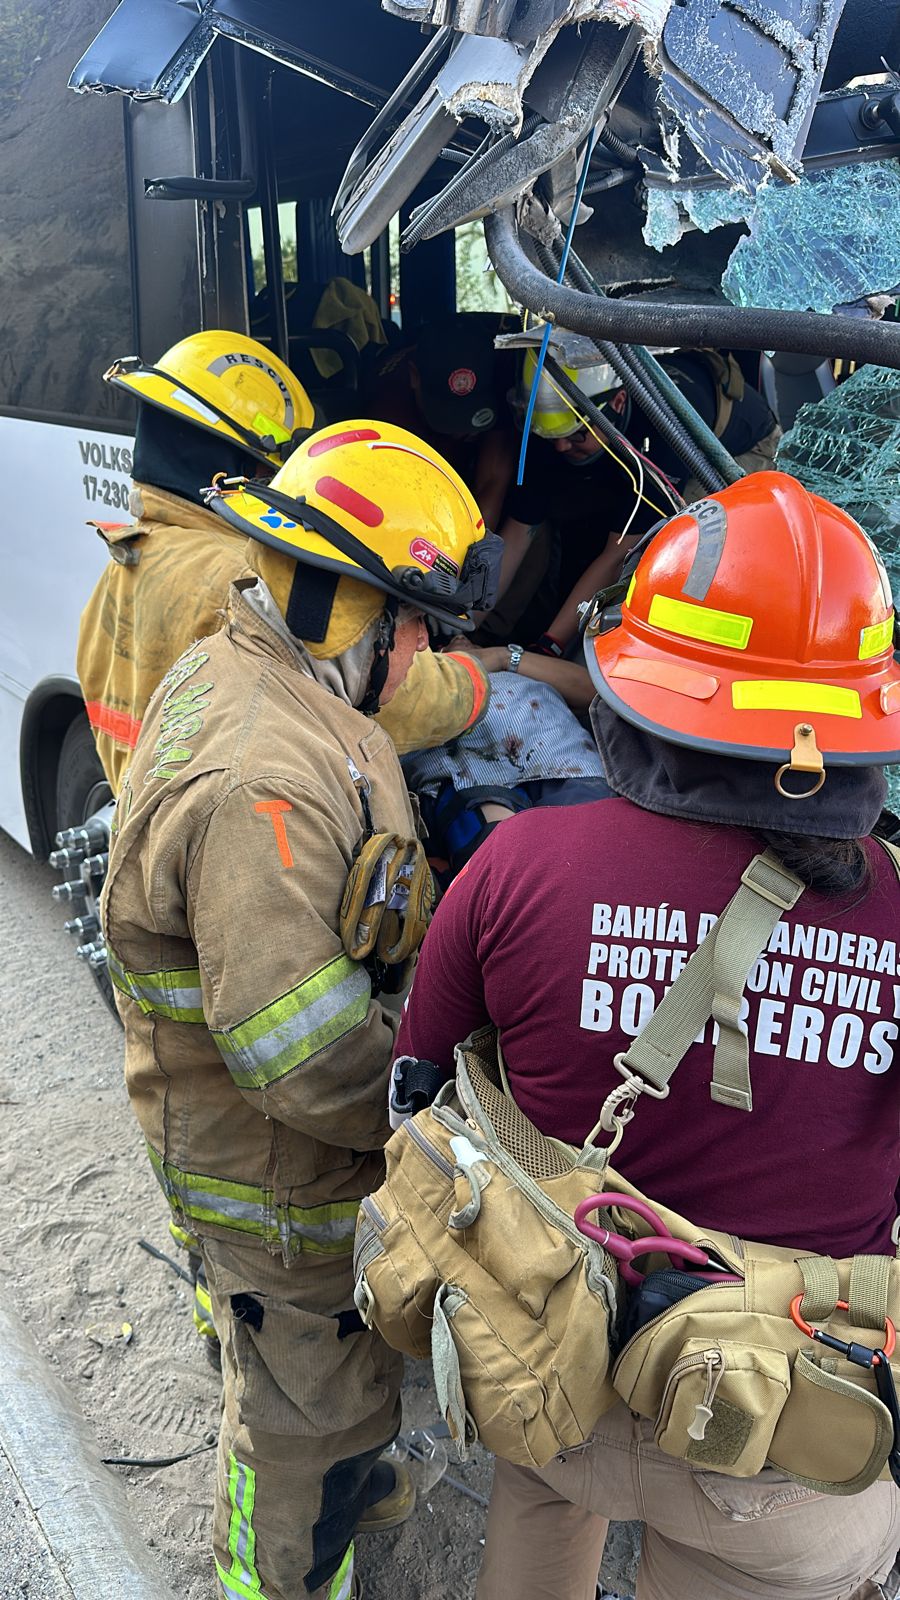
(151, 49)
(847, 449)
(821, 243)
(524, 21)
(741, 78)
(150, 52)
(571, 88)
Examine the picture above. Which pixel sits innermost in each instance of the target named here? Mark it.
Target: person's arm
(447, 1000)
(568, 678)
(603, 570)
(291, 1014)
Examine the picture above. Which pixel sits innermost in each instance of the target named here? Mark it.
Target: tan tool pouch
(468, 1254)
(733, 1385)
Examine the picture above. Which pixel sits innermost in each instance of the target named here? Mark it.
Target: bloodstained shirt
(566, 929)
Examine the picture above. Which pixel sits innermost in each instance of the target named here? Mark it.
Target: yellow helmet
(369, 501)
(553, 416)
(228, 384)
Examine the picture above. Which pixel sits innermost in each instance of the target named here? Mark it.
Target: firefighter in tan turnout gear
(216, 401)
(263, 831)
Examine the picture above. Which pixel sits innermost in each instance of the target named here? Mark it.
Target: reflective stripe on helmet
(770, 695)
(309, 1018)
(879, 636)
(244, 1207)
(700, 622)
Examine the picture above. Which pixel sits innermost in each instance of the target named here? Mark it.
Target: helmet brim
(255, 517)
(153, 388)
(694, 705)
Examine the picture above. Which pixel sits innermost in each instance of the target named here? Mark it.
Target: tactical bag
(469, 1253)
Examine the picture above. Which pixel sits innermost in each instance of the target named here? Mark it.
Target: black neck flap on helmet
(433, 592)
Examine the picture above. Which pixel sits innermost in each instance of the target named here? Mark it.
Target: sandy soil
(76, 1194)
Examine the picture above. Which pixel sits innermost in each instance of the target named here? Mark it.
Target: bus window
(477, 286)
(287, 227)
(64, 272)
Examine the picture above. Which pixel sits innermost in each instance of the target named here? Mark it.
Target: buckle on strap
(626, 1094)
(766, 876)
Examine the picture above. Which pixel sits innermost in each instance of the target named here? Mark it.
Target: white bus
(200, 196)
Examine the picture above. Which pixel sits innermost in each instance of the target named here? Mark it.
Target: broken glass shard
(813, 245)
(847, 449)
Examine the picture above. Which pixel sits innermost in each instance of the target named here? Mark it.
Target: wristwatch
(516, 652)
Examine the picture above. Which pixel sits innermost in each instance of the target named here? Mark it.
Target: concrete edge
(80, 1506)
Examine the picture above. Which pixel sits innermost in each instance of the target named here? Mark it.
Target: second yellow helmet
(229, 385)
(369, 501)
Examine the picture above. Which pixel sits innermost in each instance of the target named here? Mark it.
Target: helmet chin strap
(384, 644)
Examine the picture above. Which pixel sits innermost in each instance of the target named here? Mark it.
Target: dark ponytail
(833, 866)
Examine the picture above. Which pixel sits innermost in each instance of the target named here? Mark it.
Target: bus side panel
(56, 477)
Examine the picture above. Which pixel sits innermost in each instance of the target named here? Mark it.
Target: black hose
(625, 152)
(648, 369)
(654, 406)
(714, 326)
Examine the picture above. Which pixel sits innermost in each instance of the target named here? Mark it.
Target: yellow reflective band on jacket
(874, 639)
(203, 1317)
(309, 1018)
(174, 994)
(241, 1580)
(188, 1241)
(768, 695)
(342, 1582)
(325, 1230)
(726, 628)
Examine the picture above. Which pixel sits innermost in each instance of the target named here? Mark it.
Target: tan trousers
(706, 1536)
(310, 1401)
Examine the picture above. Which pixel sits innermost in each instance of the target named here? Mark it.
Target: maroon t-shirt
(567, 928)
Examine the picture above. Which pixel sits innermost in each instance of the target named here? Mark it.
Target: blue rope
(535, 382)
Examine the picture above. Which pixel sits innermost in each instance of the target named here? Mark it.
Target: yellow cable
(585, 423)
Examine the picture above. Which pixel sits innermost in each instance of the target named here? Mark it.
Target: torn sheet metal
(829, 240)
(741, 78)
(149, 52)
(569, 92)
(524, 21)
(847, 449)
(152, 49)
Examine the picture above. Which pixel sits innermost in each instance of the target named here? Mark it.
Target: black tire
(81, 789)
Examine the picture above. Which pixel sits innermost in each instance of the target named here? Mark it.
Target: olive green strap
(740, 939)
(870, 1282)
(712, 984)
(822, 1287)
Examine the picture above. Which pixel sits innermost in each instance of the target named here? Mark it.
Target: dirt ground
(76, 1194)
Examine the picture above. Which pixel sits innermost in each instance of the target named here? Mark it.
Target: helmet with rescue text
(230, 386)
(758, 623)
(369, 502)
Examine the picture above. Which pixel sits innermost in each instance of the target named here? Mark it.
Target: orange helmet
(759, 623)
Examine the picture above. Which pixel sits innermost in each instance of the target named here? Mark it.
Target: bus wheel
(84, 807)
